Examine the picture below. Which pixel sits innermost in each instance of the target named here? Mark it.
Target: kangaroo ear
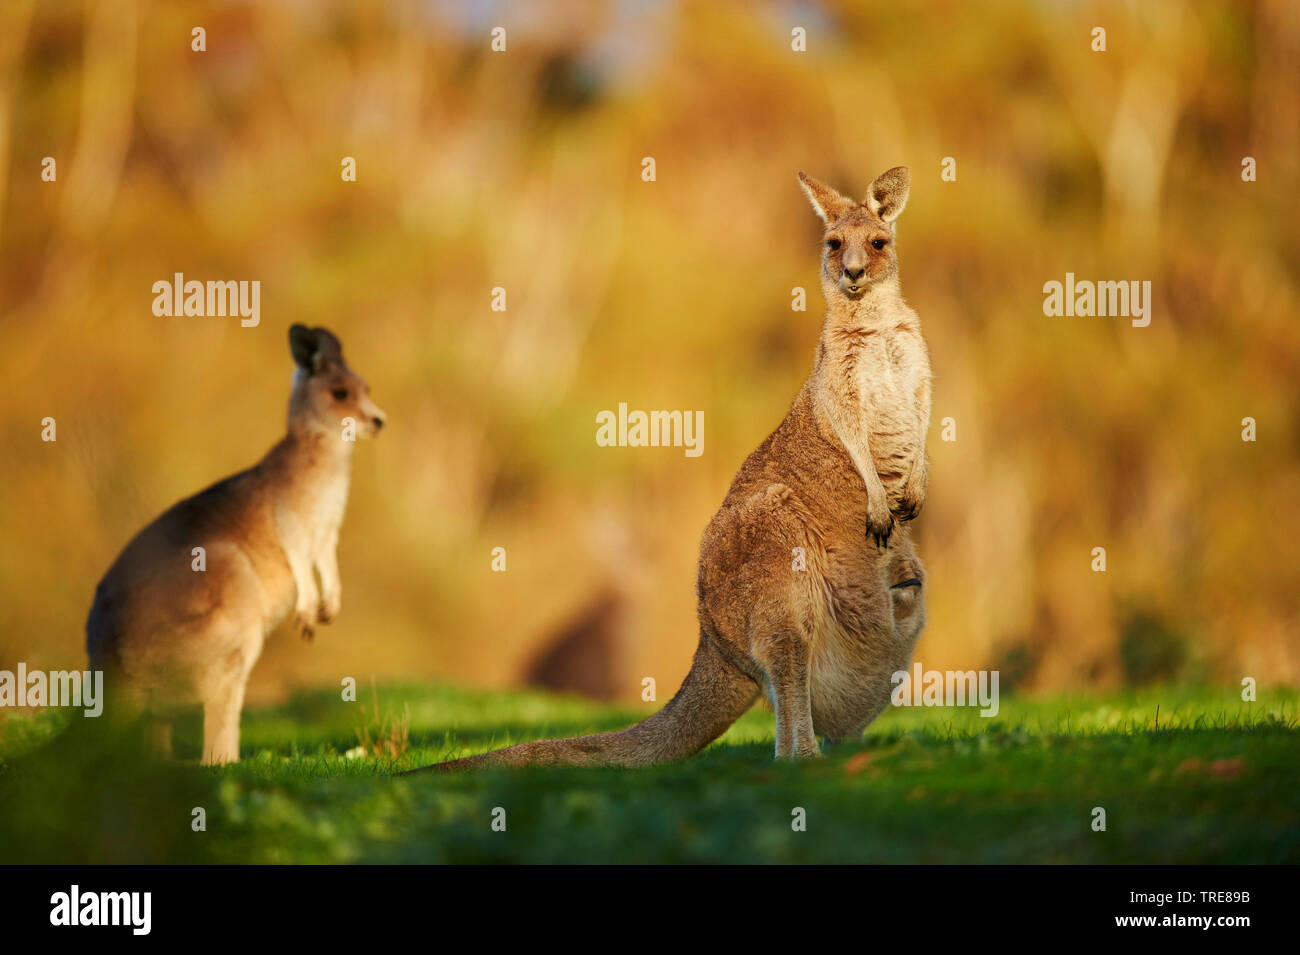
(827, 203)
(305, 348)
(328, 348)
(888, 194)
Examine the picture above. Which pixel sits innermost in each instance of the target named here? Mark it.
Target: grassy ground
(1210, 779)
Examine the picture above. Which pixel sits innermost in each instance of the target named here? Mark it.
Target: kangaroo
(173, 626)
(810, 592)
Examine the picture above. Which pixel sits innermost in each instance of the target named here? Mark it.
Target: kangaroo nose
(854, 274)
(379, 424)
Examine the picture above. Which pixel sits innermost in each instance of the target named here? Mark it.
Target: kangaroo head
(859, 248)
(325, 389)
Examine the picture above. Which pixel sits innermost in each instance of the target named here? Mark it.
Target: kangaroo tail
(713, 696)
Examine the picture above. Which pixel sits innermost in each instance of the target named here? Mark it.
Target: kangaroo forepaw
(906, 510)
(305, 624)
(880, 532)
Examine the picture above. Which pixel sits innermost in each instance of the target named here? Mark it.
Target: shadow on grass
(1203, 782)
(88, 796)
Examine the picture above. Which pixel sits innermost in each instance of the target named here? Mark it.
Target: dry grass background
(522, 170)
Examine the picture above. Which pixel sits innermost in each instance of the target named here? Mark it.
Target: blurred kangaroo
(169, 633)
(809, 590)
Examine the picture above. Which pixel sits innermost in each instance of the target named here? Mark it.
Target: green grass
(1211, 779)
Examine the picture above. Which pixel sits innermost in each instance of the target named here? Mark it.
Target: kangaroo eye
(877, 244)
(832, 244)
(340, 394)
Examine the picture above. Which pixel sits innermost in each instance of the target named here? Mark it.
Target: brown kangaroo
(173, 626)
(809, 592)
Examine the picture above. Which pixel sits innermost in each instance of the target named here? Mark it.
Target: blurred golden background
(522, 170)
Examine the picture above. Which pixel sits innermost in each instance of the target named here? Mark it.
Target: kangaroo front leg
(331, 589)
(307, 606)
(880, 520)
(913, 494)
(852, 433)
(785, 660)
(221, 724)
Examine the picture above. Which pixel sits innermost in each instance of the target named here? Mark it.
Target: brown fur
(168, 635)
(838, 478)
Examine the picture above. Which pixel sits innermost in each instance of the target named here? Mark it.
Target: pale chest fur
(328, 516)
(889, 370)
(309, 515)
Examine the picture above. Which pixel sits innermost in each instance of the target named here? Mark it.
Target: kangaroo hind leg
(221, 722)
(158, 736)
(784, 658)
